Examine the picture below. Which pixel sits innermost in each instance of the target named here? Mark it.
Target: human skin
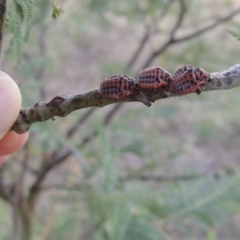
(10, 104)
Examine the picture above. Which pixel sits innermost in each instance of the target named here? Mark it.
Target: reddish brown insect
(154, 78)
(182, 70)
(201, 76)
(189, 79)
(117, 87)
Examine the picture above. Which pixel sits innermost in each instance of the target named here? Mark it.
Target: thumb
(10, 103)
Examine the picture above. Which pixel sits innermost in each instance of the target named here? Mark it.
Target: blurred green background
(123, 172)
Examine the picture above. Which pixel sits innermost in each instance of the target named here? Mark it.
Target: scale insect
(189, 79)
(117, 87)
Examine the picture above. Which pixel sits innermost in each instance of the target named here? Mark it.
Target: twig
(63, 105)
(3, 8)
(4, 191)
(74, 128)
(75, 187)
(163, 178)
(209, 27)
(173, 40)
(27, 168)
(58, 159)
(148, 32)
(79, 123)
(179, 21)
(15, 212)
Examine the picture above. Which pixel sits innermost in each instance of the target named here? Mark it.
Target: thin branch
(162, 178)
(209, 27)
(15, 212)
(3, 10)
(4, 191)
(173, 40)
(151, 29)
(157, 53)
(181, 15)
(75, 187)
(4, 188)
(79, 156)
(58, 159)
(170, 41)
(27, 168)
(74, 128)
(61, 106)
(79, 123)
(175, 178)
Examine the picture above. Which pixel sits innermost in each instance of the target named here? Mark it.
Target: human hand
(10, 104)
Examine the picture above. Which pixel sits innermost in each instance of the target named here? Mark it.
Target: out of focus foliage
(99, 193)
(234, 34)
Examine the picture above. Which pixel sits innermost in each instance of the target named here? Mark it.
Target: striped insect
(154, 78)
(117, 87)
(189, 79)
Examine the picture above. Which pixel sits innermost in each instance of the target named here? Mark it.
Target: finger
(11, 142)
(10, 102)
(3, 159)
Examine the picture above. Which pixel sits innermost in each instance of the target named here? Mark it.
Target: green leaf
(234, 34)
(19, 22)
(56, 10)
(211, 236)
(140, 229)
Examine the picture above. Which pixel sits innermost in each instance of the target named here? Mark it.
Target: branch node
(142, 97)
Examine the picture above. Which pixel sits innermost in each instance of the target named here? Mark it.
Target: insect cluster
(185, 80)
